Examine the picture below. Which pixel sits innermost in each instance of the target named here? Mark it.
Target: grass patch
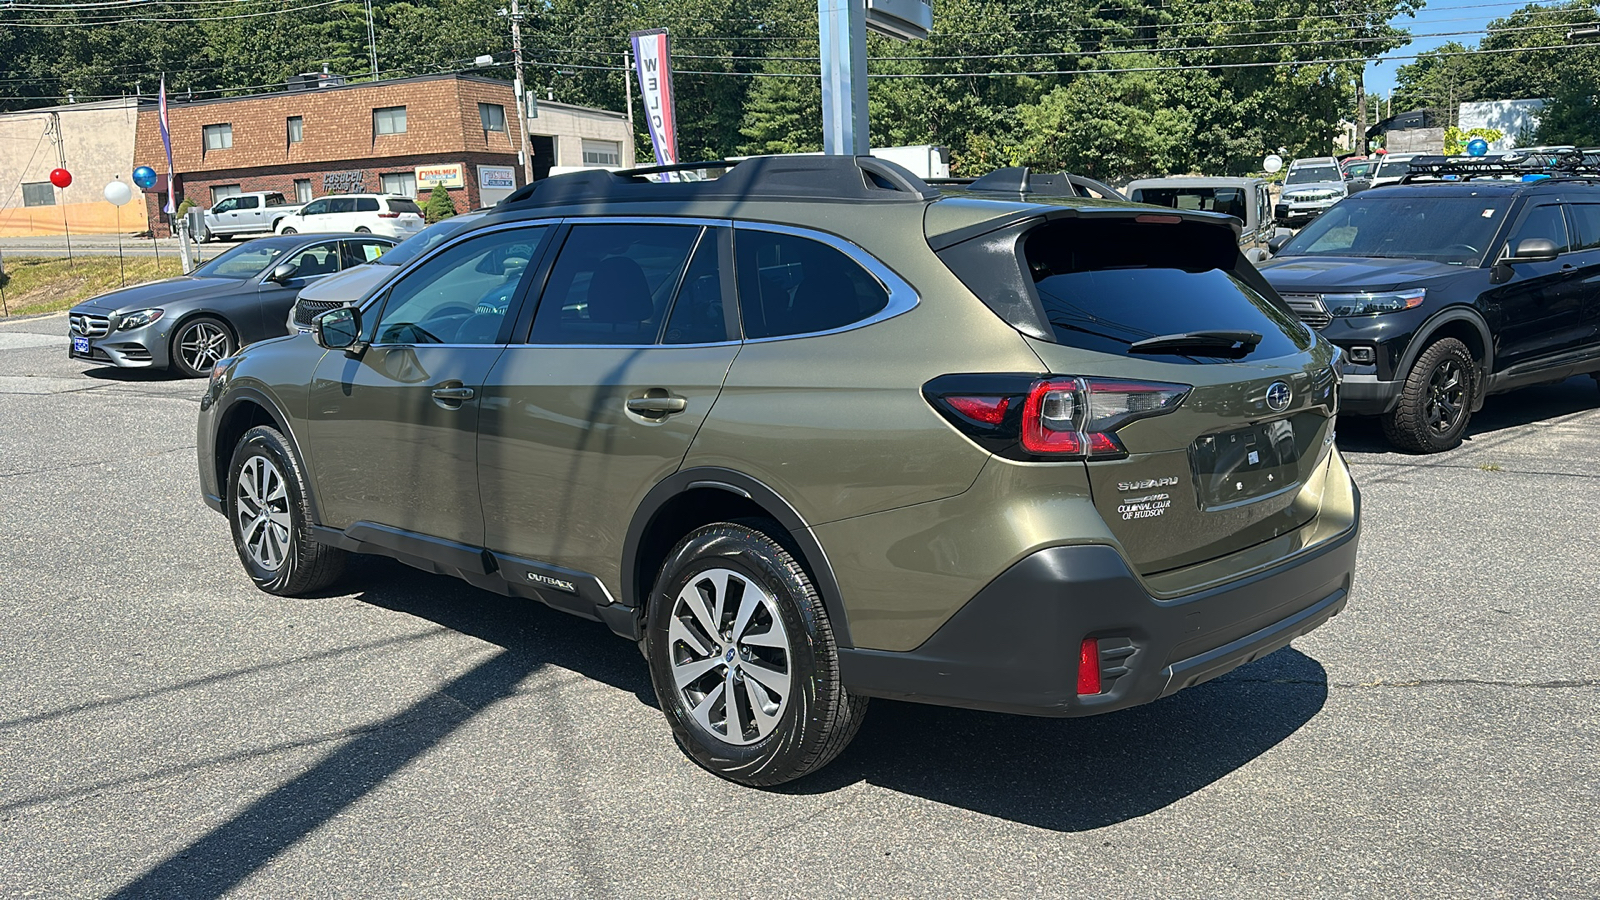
(40, 285)
(1490, 467)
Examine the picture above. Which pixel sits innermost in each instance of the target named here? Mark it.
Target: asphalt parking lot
(168, 731)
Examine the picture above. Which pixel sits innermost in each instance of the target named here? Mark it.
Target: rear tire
(733, 613)
(1436, 401)
(270, 516)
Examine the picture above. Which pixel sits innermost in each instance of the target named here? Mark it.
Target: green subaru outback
(812, 432)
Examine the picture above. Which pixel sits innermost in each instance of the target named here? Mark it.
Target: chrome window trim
(902, 297)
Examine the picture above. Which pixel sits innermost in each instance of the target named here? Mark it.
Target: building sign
(344, 182)
(494, 178)
(452, 175)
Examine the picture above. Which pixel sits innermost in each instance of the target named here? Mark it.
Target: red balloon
(60, 177)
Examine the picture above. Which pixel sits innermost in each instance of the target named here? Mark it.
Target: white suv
(396, 217)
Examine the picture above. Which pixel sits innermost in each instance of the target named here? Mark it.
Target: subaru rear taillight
(1055, 417)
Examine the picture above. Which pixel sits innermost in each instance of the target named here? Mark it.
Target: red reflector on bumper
(1089, 667)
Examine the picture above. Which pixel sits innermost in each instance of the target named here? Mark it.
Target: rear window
(404, 206)
(1103, 284)
(1229, 201)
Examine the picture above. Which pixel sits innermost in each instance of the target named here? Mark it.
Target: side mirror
(1276, 242)
(283, 272)
(1535, 250)
(337, 329)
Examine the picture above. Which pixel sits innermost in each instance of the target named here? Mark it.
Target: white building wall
(1514, 118)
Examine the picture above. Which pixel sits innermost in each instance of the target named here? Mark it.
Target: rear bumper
(1014, 647)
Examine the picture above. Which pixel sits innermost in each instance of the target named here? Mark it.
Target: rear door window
(790, 284)
(341, 204)
(612, 283)
(1107, 284)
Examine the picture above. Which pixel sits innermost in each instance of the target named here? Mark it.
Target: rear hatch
(1205, 406)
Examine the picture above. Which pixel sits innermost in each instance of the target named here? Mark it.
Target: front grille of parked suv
(90, 326)
(306, 310)
(1309, 308)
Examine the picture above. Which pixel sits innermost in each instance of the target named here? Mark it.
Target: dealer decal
(1147, 507)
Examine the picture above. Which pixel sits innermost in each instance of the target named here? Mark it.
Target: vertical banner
(651, 59)
(166, 141)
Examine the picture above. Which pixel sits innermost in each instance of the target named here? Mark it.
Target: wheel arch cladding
(247, 409)
(693, 498)
(1460, 324)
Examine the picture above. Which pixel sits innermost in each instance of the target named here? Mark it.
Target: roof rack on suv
(1552, 162)
(1023, 181)
(851, 178)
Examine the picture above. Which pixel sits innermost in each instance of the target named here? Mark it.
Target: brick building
(394, 137)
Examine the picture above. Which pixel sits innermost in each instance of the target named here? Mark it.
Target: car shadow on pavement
(1363, 434)
(1084, 773)
(136, 376)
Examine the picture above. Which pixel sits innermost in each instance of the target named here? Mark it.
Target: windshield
(1392, 168)
(424, 240)
(1311, 174)
(243, 261)
(1454, 230)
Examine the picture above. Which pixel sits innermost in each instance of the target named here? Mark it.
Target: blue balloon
(144, 177)
(1477, 147)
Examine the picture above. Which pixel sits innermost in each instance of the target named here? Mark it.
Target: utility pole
(522, 99)
(1361, 108)
(842, 29)
(372, 41)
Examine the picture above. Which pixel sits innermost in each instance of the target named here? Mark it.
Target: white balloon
(1272, 163)
(118, 193)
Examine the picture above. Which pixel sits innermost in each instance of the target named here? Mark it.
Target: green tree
(1572, 116)
(438, 206)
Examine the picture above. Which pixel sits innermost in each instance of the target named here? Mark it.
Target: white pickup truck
(256, 212)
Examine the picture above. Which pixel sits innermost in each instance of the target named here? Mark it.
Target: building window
(220, 192)
(493, 116)
(601, 153)
(296, 129)
(218, 137)
(39, 193)
(389, 120)
(403, 184)
(302, 190)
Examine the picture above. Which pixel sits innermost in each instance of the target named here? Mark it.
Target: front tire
(288, 231)
(198, 344)
(1436, 400)
(743, 658)
(363, 230)
(270, 516)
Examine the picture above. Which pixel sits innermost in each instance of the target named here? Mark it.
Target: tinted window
(366, 204)
(1107, 284)
(1454, 230)
(318, 259)
(795, 285)
(1542, 222)
(1230, 201)
(341, 204)
(403, 206)
(462, 295)
(249, 202)
(611, 284)
(698, 316)
(1586, 225)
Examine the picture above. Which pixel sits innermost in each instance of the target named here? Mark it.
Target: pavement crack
(1500, 470)
(1425, 682)
(93, 463)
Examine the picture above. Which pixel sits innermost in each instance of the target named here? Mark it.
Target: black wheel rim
(1447, 397)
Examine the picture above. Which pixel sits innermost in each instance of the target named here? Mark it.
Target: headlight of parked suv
(1372, 304)
(138, 319)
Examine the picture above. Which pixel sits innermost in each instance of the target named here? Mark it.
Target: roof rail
(1021, 180)
(848, 178)
(1553, 163)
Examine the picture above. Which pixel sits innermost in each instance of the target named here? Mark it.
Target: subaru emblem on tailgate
(1278, 395)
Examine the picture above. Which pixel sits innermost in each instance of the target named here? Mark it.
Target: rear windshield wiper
(1231, 341)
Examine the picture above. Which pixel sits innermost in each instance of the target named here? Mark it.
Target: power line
(173, 21)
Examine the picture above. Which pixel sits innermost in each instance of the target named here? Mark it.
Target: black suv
(1445, 290)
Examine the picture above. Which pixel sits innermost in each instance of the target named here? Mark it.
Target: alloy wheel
(202, 345)
(263, 513)
(730, 656)
(1447, 395)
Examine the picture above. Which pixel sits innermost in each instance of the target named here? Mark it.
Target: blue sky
(1437, 17)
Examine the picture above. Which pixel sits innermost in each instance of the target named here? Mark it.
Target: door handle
(657, 405)
(453, 393)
